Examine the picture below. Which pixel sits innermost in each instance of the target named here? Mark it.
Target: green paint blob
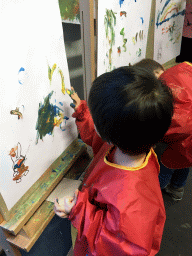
(110, 22)
(45, 122)
(69, 9)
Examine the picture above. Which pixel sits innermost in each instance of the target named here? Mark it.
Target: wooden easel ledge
(32, 230)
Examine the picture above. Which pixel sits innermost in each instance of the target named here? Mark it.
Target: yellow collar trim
(129, 168)
(190, 64)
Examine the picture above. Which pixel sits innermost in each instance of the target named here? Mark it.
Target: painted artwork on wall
(122, 32)
(70, 12)
(36, 117)
(169, 20)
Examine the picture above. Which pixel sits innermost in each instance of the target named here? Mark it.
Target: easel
(29, 217)
(89, 35)
(24, 223)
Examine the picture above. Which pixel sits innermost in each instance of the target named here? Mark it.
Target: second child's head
(151, 66)
(131, 108)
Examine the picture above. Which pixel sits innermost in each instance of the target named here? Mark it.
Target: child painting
(120, 209)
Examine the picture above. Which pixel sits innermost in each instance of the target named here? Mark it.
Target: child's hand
(75, 99)
(65, 206)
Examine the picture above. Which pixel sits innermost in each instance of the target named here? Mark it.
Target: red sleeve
(179, 135)
(178, 155)
(107, 229)
(86, 127)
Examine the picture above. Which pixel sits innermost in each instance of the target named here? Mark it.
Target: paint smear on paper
(123, 13)
(169, 11)
(50, 71)
(21, 75)
(121, 2)
(119, 50)
(124, 44)
(62, 81)
(65, 118)
(49, 116)
(110, 22)
(69, 9)
(18, 160)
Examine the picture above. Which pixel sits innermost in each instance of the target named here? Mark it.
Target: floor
(177, 234)
(177, 237)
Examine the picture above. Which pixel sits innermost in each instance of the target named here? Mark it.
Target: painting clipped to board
(122, 32)
(169, 20)
(36, 117)
(70, 12)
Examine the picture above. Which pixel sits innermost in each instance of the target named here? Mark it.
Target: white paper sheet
(127, 23)
(31, 40)
(169, 20)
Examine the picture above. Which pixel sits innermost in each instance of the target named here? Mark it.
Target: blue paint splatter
(21, 69)
(61, 103)
(65, 118)
(56, 110)
(121, 2)
(173, 16)
(142, 19)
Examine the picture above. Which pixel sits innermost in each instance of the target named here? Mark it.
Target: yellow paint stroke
(62, 81)
(58, 120)
(50, 71)
(167, 10)
(53, 69)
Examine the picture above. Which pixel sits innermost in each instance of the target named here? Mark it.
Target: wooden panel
(87, 37)
(150, 38)
(170, 64)
(28, 204)
(4, 212)
(73, 235)
(44, 213)
(1, 219)
(33, 228)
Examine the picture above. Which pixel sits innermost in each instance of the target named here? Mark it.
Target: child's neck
(128, 160)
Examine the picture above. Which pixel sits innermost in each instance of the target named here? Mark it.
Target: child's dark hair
(130, 108)
(150, 65)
